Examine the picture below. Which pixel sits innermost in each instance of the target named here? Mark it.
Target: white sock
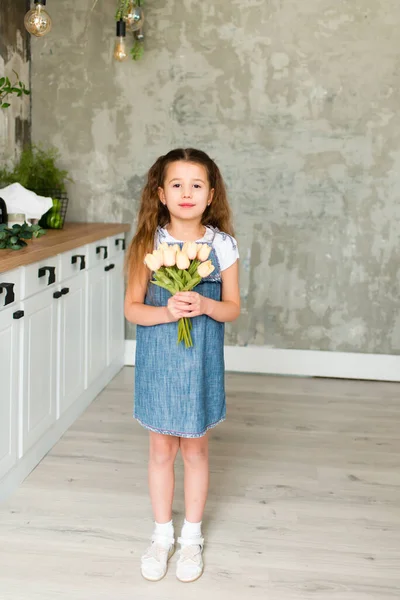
(164, 530)
(191, 530)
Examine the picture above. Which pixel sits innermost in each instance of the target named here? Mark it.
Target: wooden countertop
(56, 241)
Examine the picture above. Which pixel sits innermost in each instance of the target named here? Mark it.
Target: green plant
(36, 170)
(6, 88)
(123, 6)
(137, 49)
(14, 237)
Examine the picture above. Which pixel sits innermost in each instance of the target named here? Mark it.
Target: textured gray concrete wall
(297, 102)
(15, 125)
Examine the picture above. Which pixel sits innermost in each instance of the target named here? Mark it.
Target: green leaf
(16, 246)
(2, 81)
(137, 50)
(5, 105)
(174, 275)
(166, 287)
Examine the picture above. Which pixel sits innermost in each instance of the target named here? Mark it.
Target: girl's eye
(176, 185)
(196, 185)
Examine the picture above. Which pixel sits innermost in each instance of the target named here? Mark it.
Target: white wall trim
(305, 363)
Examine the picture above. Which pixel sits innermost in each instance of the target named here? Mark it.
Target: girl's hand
(175, 309)
(191, 304)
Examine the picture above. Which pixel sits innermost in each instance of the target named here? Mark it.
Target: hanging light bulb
(134, 16)
(37, 20)
(120, 52)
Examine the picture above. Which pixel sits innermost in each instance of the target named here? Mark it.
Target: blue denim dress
(181, 391)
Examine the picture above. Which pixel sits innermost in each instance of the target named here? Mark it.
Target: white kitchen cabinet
(61, 342)
(97, 322)
(39, 370)
(9, 381)
(116, 324)
(71, 342)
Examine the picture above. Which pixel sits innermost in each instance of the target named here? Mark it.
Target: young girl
(179, 392)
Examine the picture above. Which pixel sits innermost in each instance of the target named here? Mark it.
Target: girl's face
(186, 191)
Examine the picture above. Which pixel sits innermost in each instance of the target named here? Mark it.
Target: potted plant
(14, 237)
(37, 171)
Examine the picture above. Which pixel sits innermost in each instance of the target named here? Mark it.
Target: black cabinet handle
(57, 295)
(52, 274)
(10, 296)
(120, 240)
(65, 291)
(109, 267)
(82, 258)
(18, 314)
(112, 266)
(99, 248)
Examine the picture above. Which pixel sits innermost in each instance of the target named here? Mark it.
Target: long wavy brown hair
(152, 213)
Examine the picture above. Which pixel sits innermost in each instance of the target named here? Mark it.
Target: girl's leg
(163, 450)
(162, 453)
(195, 457)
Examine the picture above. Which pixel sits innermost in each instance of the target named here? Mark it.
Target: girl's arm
(227, 309)
(141, 314)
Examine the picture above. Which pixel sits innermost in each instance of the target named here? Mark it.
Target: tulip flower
(169, 257)
(153, 262)
(182, 260)
(190, 249)
(204, 252)
(163, 246)
(159, 256)
(205, 269)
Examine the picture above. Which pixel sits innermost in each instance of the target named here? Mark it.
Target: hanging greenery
(7, 88)
(131, 12)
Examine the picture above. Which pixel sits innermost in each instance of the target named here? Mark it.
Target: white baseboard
(303, 363)
(35, 454)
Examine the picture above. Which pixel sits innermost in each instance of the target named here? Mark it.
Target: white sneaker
(190, 563)
(154, 562)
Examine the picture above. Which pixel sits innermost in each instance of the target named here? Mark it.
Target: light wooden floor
(304, 501)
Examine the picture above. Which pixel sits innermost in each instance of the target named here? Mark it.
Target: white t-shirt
(225, 245)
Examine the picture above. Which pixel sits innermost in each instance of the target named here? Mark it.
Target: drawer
(10, 288)
(98, 253)
(73, 262)
(40, 276)
(116, 245)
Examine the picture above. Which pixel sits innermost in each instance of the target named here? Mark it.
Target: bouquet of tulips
(180, 270)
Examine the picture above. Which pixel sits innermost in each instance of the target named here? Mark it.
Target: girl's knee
(163, 449)
(194, 451)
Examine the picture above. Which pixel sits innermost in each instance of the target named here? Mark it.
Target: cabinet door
(96, 323)
(39, 366)
(9, 370)
(72, 342)
(116, 333)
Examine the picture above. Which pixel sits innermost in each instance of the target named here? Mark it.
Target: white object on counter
(20, 200)
(16, 219)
